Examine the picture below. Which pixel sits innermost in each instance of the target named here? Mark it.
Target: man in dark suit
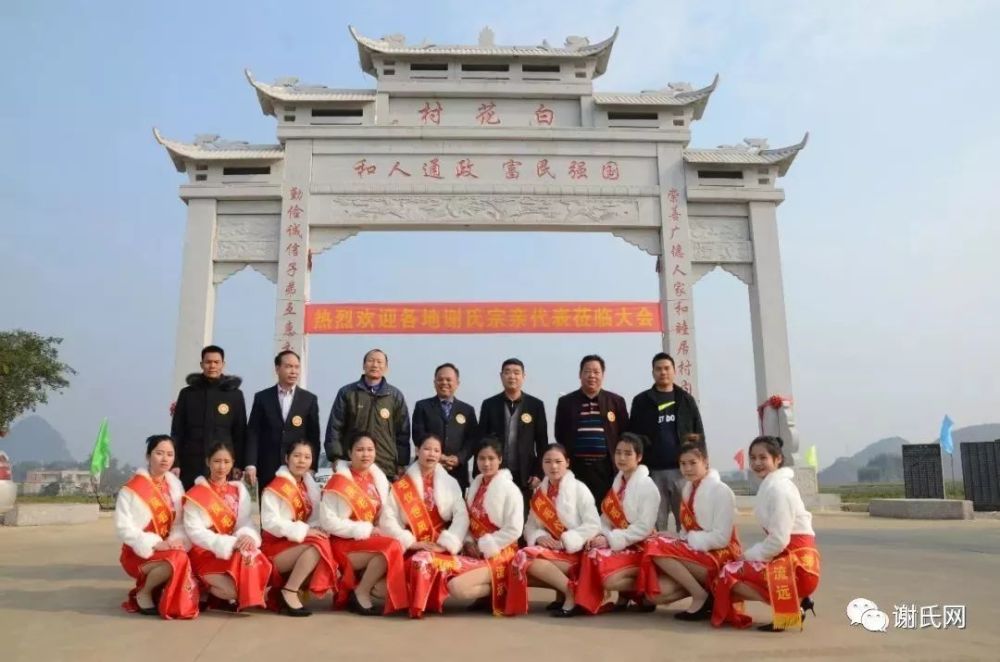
(588, 423)
(451, 420)
(209, 409)
(517, 420)
(280, 415)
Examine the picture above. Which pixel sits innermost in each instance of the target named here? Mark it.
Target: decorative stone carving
(719, 229)
(268, 270)
(248, 238)
(512, 210)
(645, 240)
(487, 38)
(221, 271)
(742, 271)
(322, 238)
(752, 145)
(722, 251)
(396, 39)
(575, 43)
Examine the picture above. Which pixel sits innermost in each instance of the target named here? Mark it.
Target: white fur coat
(276, 515)
(715, 509)
(450, 504)
(640, 503)
(198, 524)
(576, 510)
(781, 512)
(335, 512)
(132, 516)
(504, 505)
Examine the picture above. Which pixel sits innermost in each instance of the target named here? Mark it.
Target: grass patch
(865, 492)
(106, 501)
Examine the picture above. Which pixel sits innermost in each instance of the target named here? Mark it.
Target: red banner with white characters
(507, 317)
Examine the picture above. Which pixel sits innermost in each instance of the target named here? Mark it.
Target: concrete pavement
(60, 590)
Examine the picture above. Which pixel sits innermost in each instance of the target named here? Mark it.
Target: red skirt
(595, 568)
(396, 597)
(249, 574)
(517, 578)
(323, 578)
(178, 598)
(428, 574)
(754, 574)
(648, 582)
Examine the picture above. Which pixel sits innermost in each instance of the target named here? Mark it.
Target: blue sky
(888, 234)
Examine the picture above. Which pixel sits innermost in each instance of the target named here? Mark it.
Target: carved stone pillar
(293, 253)
(768, 325)
(196, 316)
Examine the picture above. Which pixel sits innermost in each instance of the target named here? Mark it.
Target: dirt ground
(61, 587)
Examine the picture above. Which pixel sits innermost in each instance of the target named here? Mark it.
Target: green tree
(29, 369)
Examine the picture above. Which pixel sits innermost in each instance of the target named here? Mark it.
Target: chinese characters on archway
(678, 295)
(485, 114)
(292, 261)
(456, 168)
(525, 317)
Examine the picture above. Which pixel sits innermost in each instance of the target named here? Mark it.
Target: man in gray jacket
(374, 407)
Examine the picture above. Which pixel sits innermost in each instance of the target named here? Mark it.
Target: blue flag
(947, 445)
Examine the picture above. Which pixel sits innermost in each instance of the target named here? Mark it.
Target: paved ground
(60, 588)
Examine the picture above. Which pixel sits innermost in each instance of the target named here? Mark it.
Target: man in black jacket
(209, 409)
(451, 420)
(665, 415)
(588, 423)
(517, 420)
(373, 406)
(280, 415)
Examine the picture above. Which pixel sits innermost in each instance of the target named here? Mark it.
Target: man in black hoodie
(209, 409)
(665, 415)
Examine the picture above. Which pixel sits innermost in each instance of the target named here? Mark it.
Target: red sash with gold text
(288, 491)
(730, 552)
(162, 510)
(781, 585)
(545, 511)
(223, 519)
(425, 523)
(479, 527)
(362, 506)
(612, 508)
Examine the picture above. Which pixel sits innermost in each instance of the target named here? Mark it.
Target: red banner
(519, 317)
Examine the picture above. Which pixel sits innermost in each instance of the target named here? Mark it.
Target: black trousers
(594, 472)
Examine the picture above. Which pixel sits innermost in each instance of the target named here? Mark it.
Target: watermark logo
(864, 612)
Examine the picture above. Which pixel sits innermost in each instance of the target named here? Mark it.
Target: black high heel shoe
(703, 613)
(355, 607)
(289, 610)
(149, 611)
(807, 604)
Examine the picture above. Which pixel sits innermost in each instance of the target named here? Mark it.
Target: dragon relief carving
(515, 210)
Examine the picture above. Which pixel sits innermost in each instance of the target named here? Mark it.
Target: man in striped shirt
(588, 423)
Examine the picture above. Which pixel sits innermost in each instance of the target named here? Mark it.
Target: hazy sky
(888, 236)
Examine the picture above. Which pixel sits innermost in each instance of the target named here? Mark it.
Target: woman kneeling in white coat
(628, 516)
(562, 519)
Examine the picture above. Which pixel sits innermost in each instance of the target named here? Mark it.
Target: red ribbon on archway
(487, 317)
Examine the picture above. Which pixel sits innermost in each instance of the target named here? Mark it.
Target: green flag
(811, 459)
(101, 456)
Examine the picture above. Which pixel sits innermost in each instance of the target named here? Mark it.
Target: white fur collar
(641, 472)
(445, 487)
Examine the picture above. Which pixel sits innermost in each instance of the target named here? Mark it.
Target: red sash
(612, 508)
(223, 519)
(362, 506)
(161, 509)
(730, 552)
(288, 491)
(425, 523)
(545, 511)
(479, 527)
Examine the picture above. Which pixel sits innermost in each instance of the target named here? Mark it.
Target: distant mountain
(845, 469)
(33, 439)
